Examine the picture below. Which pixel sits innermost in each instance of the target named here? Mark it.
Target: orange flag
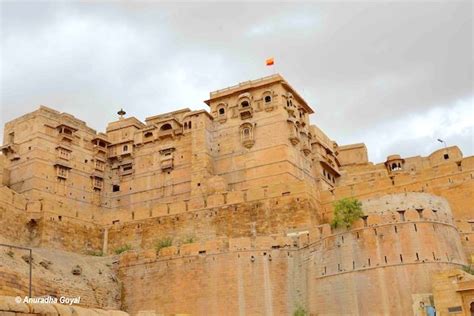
(270, 61)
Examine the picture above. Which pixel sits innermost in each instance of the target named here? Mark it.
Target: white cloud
(453, 123)
(281, 24)
(366, 68)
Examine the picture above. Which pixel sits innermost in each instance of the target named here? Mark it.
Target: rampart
(275, 209)
(318, 269)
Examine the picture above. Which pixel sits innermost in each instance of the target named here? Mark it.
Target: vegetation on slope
(163, 243)
(346, 212)
(122, 249)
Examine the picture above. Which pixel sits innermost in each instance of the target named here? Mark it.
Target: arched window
(244, 104)
(247, 135)
(394, 166)
(125, 148)
(166, 127)
(268, 99)
(185, 125)
(189, 125)
(221, 111)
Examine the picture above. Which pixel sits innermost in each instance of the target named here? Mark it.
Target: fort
(227, 212)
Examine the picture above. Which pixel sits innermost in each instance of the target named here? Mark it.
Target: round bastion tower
(384, 264)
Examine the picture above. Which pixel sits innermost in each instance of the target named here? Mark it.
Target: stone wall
(379, 266)
(229, 215)
(47, 224)
(243, 283)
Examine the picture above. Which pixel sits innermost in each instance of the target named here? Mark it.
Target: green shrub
(123, 248)
(97, 253)
(469, 269)
(300, 311)
(163, 243)
(188, 240)
(346, 211)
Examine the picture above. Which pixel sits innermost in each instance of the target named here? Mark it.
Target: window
(365, 219)
(99, 165)
(455, 309)
(62, 172)
(396, 166)
(402, 215)
(446, 156)
(64, 153)
(115, 188)
(221, 111)
(166, 127)
(268, 99)
(185, 125)
(125, 148)
(97, 182)
(148, 134)
(247, 135)
(244, 104)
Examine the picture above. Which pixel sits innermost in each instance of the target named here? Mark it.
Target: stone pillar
(105, 241)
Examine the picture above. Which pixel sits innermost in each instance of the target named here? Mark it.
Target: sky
(394, 75)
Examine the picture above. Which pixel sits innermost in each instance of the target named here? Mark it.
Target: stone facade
(228, 211)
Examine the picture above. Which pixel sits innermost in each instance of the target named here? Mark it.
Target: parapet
(353, 154)
(286, 192)
(395, 203)
(124, 123)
